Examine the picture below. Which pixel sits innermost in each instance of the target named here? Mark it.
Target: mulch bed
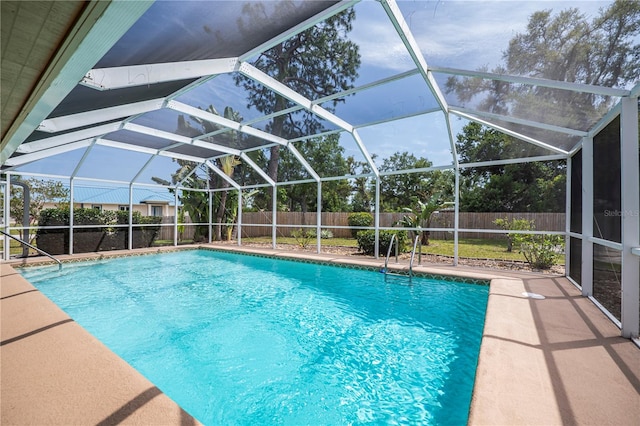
(510, 265)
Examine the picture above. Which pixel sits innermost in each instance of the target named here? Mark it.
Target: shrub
(366, 241)
(303, 237)
(541, 251)
(514, 225)
(326, 234)
(361, 219)
(57, 241)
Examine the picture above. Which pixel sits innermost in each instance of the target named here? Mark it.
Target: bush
(326, 234)
(514, 225)
(361, 219)
(56, 241)
(303, 237)
(541, 251)
(366, 241)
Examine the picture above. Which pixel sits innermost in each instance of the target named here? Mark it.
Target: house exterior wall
(144, 209)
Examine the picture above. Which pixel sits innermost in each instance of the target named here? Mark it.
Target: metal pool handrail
(413, 255)
(33, 247)
(386, 260)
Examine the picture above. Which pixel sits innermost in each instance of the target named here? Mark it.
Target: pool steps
(385, 270)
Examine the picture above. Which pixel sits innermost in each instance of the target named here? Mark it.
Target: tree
(362, 196)
(535, 186)
(565, 47)
(196, 203)
(316, 62)
(41, 191)
(420, 216)
(227, 165)
(324, 155)
(405, 190)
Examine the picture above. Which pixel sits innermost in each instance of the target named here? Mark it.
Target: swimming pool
(238, 339)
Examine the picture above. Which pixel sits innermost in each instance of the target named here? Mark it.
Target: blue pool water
(237, 339)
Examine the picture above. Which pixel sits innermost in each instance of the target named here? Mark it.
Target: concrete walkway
(551, 361)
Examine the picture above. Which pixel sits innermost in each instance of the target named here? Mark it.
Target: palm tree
(227, 165)
(420, 217)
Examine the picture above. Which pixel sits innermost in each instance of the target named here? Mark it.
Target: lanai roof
(120, 74)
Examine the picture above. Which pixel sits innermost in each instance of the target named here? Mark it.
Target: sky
(456, 34)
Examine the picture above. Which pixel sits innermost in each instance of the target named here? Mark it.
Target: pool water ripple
(245, 340)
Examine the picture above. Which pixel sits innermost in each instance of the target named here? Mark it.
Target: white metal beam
(224, 122)
(531, 81)
(586, 270)
(514, 161)
(126, 146)
(511, 133)
(142, 75)
(98, 28)
(365, 153)
(222, 174)
(403, 30)
(630, 175)
(330, 11)
(179, 156)
(74, 121)
(304, 162)
(82, 160)
(255, 167)
(70, 137)
(204, 115)
(157, 133)
(255, 74)
(524, 122)
(38, 155)
(332, 118)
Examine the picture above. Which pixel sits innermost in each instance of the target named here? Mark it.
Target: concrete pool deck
(552, 361)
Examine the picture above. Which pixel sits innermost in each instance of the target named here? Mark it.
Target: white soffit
(98, 29)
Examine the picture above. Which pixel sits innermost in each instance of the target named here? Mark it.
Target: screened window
(607, 289)
(576, 193)
(607, 204)
(575, 257)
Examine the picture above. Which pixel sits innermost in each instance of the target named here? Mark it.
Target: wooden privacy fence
(257, 224)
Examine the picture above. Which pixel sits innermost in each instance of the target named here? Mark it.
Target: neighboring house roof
(120, 196)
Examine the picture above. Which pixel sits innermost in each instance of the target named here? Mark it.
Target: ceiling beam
(512, 133)
(302, 26)
(142, 75)
(531, 81)
(514, 120)
(70, 137)
(39, 155)
(403, 30)
(73, 121)
(224, 122)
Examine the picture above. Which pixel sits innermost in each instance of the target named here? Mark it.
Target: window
(607, 190)
(123, 208)
(576, 193)
(97, 207)
(156, 210)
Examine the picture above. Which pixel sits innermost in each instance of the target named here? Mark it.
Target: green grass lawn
(479, 248)
(468, 248)
(329, 242)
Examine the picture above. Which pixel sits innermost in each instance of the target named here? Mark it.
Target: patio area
(552, 361)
